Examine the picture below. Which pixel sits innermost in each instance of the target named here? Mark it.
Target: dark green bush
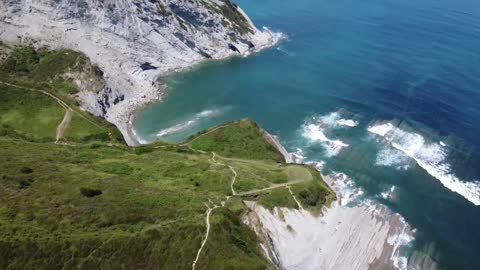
(24, 183)
(26, 170)
(89, 192)
(313, 196)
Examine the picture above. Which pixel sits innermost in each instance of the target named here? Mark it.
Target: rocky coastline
(361, 236)
(135, 44)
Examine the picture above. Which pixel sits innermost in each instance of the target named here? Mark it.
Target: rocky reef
(133, 42)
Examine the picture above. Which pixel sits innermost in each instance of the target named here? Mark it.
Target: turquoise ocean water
(385, 91)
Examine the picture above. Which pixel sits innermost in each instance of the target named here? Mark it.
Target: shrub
(26, 170)
(23, 184)
(89, 192)
(313, 196)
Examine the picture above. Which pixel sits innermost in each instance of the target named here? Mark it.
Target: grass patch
(29, 114)
(279, 197)
(298, 173)
(228, 235)
(240, 139)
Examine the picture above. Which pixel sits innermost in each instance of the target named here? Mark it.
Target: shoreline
(364, 236)
(133, 111)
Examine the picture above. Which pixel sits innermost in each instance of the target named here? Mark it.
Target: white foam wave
(430, 156)
(346, 188)
(347, 122)
(402, 237)
(175, 128)
(392, 157)
(315, 133)
(381, 130)
(298, 156)
(135, 134)
(316, 128)
(184, 125)
(388, 194)
(318, 165)
(277, 36)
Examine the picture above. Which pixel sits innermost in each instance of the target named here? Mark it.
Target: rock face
(344, 238)
(132, 41)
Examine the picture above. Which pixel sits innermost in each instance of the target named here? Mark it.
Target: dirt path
(207, 220)
(294, 198)
(233, 179)
(61, 102)
(64, 125)
(253, 191)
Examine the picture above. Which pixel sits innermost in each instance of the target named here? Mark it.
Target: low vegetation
(240, 139)
(91, 202)
(30, 80)
(240, 23)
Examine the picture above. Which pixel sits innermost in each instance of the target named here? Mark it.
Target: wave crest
(186, 124)
(316, 127)
(430, 156)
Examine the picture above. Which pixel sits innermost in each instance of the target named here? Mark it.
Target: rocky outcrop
(133, 42)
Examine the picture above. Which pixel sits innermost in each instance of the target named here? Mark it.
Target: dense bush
(88, 192)
(313, 196)
(26, 170)
(24, 183)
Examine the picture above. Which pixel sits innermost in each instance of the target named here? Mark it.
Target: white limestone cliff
(134, 42)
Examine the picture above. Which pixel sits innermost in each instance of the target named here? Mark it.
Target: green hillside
(88, 201)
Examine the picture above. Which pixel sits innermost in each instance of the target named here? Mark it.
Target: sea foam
(184, 125)
(388, 194)
(315, 128)
(402, 238)
(347, 122)
(430, 156)
(346, 188)
(393, 157)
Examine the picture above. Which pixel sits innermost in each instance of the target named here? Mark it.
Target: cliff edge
(133, 43)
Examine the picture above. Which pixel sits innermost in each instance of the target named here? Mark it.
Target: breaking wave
(430, 156)
(184, 125)
(392, 157)
(402, 238)
(347, 122)
(346, 188)
(388, 194)
(315, 128)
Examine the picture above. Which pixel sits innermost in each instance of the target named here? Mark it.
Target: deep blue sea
(385, 91)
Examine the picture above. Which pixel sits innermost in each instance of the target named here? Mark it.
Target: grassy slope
(240, 139)
(151, 208)
(151, 211)
(34, 115)
(243, 143)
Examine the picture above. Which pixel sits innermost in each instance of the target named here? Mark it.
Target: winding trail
(233, 180)
(207, 220)
(210, 209)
